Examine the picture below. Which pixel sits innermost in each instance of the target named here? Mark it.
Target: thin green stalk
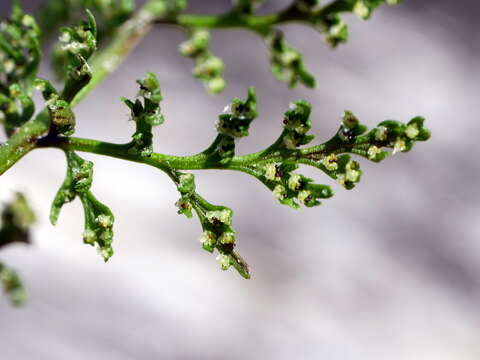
(160, 161)
(234, 19)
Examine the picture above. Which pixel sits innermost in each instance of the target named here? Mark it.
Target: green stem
(234, 19)
(230, 20)
(160, 161)
(203, 161)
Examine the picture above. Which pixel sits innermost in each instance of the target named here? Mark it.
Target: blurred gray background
(386, 271)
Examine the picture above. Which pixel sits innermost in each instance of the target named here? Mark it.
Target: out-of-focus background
(386, 271)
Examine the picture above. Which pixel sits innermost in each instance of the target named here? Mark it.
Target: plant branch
(203, 161)
(234, 19)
